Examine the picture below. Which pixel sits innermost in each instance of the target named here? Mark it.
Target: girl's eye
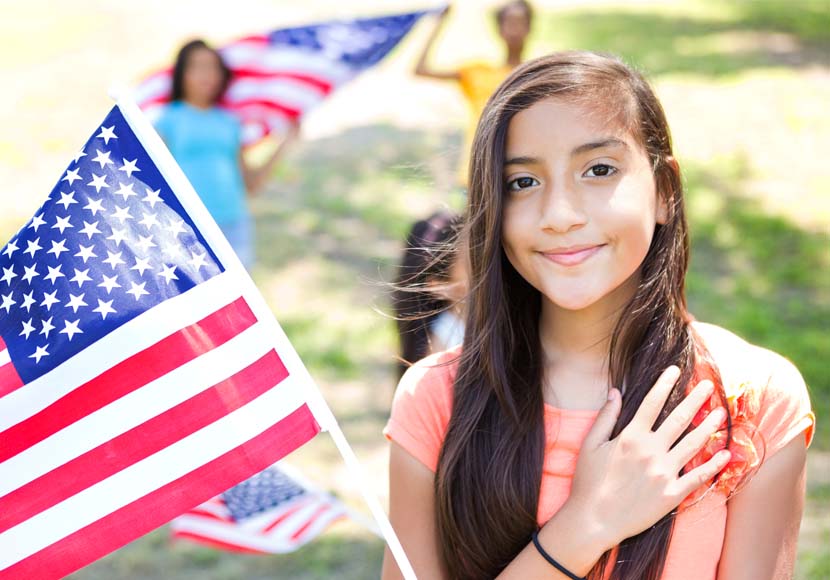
(601, 170)
(521, 183)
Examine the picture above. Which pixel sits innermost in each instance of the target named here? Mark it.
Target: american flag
(141, 373)
(279, 76)
(272, 512)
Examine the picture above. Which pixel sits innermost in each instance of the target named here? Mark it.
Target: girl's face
(203, 77)
(580, 205)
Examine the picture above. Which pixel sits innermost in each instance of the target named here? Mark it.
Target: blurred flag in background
(280, 75)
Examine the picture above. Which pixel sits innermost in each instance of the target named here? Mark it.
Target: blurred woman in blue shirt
(206, 141)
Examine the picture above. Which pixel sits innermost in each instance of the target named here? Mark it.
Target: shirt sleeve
(421, 409)
(784, 410)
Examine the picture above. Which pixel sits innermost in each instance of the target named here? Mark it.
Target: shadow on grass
(760, 276)
(151, 557)
(722, 39)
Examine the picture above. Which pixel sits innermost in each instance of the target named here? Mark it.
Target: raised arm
(422, 69)
(255, 177)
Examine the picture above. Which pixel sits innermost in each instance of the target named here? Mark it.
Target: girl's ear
(662, 202)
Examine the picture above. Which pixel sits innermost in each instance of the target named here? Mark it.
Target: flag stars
(80, 277)
(114, 259)
(104, 308)
(47, 327)
(152, 197)
(28, 300)
(176, 227)
(29, 272)
(106, 134)
(98, 182)
(71, 329)
(94, 205)
(122, 213)
(54, 274)
(118, 236)
(61, 223)
(8, 302)
(67, 199)
(11, 248)
(129, 167)
(8, 275)
(49, 298)
(78, 156)
(137, 290)
(37, 221)
(141, 264)
(103, 158)
(32, 247)
(39, 353)
(76, 302)
(172, 251)
(149, 220)
(71, 176)
(58, 248)
(109, 283)
(28, 328)
(90, 229)
(125, 191)
(85, 252)
(168, 273)
(197, 260)
(145, 243)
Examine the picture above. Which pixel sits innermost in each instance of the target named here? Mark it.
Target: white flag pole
(190, 200)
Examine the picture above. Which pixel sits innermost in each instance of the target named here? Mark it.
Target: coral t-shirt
(423, 403)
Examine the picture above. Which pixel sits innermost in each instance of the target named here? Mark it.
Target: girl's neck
(514, 56)
(196, 104)
(575, 347)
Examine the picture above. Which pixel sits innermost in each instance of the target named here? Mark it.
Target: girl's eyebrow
(609, 142)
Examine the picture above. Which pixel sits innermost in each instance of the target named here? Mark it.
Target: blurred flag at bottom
(272, 512)
(141, 372)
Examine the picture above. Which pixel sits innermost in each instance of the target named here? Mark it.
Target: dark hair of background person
(495, 439)
(428, 256)
(182, 58)
(523, 4)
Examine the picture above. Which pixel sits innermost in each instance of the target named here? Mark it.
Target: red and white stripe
(285, 528)
(9, 379)
(271, 87)
(93, 455)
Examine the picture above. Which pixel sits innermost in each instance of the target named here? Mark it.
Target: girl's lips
(572, 257)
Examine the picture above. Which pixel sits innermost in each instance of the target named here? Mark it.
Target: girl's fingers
(675, 424)
(601, 430)
(702, 474)
(692, 443)
(655, 399)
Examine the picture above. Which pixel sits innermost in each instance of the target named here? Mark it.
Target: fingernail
(724, 455)
(673, 372)
(707, 386)
(612, 394)
(719, 415)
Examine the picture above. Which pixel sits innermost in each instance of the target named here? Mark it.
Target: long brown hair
(490, 466)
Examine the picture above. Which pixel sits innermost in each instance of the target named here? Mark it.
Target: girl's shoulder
(422, 406)
(741, 361)
(762, 387)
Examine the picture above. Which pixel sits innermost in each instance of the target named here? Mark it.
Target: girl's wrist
(575, 539)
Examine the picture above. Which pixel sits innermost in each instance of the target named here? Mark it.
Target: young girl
(206, 142)
(431, 283)
(588, 426)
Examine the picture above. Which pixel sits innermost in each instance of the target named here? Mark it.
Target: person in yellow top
(478, 80)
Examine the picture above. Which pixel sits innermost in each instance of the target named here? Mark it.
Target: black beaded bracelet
(553, 562)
